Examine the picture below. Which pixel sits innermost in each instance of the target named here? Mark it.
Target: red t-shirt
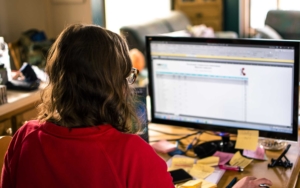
(48, 155)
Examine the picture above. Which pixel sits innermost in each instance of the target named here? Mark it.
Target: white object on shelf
(4, 57)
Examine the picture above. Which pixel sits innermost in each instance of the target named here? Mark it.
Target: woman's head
(87, 67)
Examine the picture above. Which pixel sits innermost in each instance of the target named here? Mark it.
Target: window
(260, 8)
(121, 13)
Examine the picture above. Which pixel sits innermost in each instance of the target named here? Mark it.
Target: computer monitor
(225, 85)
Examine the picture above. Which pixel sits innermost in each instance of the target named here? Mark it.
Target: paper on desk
(224, 157)
(213, 178)
(210, 161)
(239, 160)
(208, 184)
(192, 184)
(259, 153)
(247, 139)
(182, 162)
(201, 171)
(198, 184)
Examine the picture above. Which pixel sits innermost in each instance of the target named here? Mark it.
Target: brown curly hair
(87, 68)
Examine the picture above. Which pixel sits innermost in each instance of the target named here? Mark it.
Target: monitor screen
(225, 84)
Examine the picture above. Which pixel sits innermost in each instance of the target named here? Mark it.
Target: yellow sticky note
(182, 162)
(207, 184)
(239, 160)
(201, 171)
(210, 161)
(247, 139)
(192, 184)
(175, 168)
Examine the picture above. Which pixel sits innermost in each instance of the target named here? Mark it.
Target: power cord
(178, 139)
(166, 133)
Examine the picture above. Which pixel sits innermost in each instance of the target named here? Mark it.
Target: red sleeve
(6, 176)
(12, 151)
(146, 168)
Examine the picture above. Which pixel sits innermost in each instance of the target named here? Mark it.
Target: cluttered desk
(280, 176)
(233, 104)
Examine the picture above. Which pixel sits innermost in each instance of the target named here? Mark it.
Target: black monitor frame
(275, 135)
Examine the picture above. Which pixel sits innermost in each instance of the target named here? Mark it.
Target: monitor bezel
(211, 127)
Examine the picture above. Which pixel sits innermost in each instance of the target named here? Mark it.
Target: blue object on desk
(231, 184)
(193, 142)
(177, 151)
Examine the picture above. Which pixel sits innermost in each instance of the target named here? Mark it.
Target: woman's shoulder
(28, 127)
(136, 144)
(23, 132)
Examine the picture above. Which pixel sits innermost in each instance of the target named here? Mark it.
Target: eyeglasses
(133, 75)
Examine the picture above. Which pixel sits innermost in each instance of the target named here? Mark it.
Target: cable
(166, 132)
(208, 132)
(176, 139)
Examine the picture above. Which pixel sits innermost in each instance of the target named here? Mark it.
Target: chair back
(136, 34)
(285, 22)
(4, 143)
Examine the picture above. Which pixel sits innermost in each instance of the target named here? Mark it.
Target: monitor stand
(209, 148)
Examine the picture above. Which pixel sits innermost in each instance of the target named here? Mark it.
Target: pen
(233, 181)
(193, 142)
(233, 168)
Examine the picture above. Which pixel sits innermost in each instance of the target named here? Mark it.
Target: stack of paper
(187, 163)
(201, 171)
(239, 160)
(210, 161)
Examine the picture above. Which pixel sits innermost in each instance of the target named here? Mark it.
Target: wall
(61, 14)
(17, 16)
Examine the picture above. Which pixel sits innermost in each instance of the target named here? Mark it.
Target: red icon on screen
(243, 72)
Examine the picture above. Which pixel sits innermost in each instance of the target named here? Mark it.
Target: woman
(81, 137)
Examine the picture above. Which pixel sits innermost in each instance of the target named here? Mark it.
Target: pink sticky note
(259, 153)
(163, 146)
(224, 157)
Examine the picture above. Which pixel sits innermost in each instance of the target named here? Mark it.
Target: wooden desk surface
(280, 176)
(19, 101)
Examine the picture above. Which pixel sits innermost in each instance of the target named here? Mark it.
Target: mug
(3, 94)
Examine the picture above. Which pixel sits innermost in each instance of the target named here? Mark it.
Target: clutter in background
(201, 31)
(3, 94)
(5, 68)
(4, 65)
(31, 47)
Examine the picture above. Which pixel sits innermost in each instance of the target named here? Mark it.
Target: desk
(280, 177)
(21, 107)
